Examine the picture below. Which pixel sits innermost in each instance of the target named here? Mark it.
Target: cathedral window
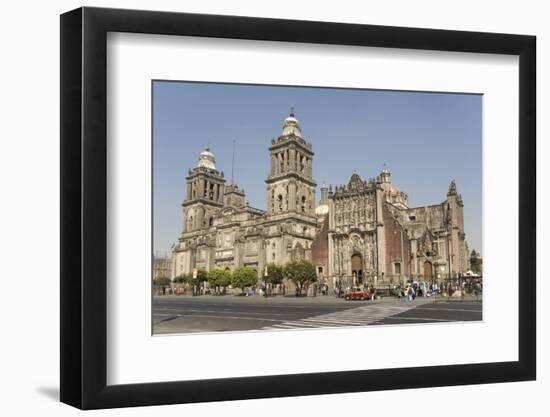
(397, 268)
(280, 199)
(304, 204)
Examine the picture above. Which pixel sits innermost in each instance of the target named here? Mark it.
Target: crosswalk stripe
(359, 316)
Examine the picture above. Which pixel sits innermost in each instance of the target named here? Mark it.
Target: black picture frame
(84, 207)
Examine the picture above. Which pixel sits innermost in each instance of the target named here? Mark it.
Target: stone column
(330, 263)
(380, 234)
(292, 196)
(292, 159)
(414, 265)
(268, 200)
(200, 191)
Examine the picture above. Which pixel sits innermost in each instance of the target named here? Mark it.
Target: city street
(184, 314)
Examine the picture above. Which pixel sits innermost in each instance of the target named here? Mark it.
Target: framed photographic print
(258, 208)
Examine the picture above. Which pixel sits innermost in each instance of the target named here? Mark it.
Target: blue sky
(425, 139)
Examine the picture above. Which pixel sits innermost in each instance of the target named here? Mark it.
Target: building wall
(368, 237)
(397, 249)
(162, 266)
(319, 250)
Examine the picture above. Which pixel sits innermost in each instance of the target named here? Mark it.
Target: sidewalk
(279, 299)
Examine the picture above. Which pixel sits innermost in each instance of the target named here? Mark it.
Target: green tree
(219, 278)
(197, 278)
(243, 277)
(275, 274)
(162, 281)
(300, 272)
(202, 275)
(476, 262)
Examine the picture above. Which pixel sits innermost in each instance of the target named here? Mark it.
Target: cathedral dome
(291, 126)
(207, 160)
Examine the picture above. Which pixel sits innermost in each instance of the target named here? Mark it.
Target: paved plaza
(185, 314)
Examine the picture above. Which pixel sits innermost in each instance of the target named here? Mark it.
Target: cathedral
(360, 233)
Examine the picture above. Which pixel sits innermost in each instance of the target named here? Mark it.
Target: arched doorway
(428, 271)
(357, 268)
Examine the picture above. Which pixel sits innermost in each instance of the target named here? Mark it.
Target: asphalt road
(184, 314)
(437, 312)
(230, 313)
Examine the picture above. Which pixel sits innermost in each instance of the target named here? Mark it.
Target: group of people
(411, 291)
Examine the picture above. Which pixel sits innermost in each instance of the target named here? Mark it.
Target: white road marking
(359, 316)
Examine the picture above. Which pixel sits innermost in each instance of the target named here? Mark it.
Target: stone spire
(452, 189)
(385, 175)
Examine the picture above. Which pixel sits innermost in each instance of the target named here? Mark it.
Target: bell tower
(205, 193)
(290, 184)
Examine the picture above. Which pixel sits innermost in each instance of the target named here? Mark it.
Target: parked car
(357, 294)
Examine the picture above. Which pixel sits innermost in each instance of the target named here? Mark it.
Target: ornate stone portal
(362, 233)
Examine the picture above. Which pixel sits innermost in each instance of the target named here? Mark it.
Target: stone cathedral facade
(360, 233)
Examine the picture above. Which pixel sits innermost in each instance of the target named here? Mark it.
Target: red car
(357, 294)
